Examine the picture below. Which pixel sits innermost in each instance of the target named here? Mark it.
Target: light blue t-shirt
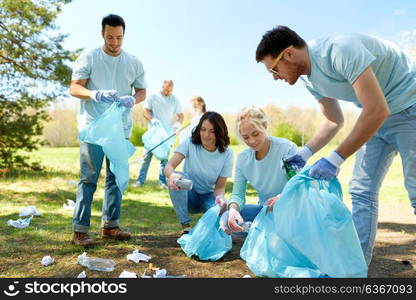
(204, 167)
(337, 61)
(104, 72)
(164, 109)
(266, 176)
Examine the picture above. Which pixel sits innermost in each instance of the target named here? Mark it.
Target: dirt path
(396, 241)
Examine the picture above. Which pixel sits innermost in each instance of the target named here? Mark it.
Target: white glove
(176, 126)
(234, 218)
(224, 223)
(155, 122)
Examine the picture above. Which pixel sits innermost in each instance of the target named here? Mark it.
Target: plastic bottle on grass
(96, 264)
(246, 226)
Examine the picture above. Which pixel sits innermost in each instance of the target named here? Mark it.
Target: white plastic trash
(70, 204)
(29, 211)
(126, 274)
(47, 260)
(136, 256)
(20, 223)
(96, 264)
(160, 273)
(82, 275)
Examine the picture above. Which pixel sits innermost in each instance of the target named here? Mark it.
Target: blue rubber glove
(327, 167)
(127, 101)
(108, 96)
(298, 161)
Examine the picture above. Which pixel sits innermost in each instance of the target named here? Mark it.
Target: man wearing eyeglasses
(376, 76)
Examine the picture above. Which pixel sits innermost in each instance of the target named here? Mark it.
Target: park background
(207, 48)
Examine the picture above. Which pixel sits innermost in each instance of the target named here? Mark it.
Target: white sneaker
(163, 186)
(137, 184)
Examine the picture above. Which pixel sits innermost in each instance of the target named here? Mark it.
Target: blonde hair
(255, 116)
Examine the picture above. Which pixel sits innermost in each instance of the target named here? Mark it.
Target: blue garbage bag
(311, 217)
(107, 132)
(268, 255)
(206, 240)
(154, 135)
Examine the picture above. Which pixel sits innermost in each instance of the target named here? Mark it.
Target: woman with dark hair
(208, 163)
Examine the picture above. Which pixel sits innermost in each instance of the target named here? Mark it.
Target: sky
(208, 47)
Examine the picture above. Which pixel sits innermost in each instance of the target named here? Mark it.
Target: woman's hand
(270, 203)
(234, 218)
(172, 178)
(222, 203)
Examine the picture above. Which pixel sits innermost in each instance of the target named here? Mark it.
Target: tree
(408, 43)
(33, 72)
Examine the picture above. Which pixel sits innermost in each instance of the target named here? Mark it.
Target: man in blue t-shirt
(165, 109)
(376, 76)
(100, 77)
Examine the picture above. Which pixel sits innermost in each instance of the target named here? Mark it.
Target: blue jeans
(190, 201)
(145, 167)
(91, 161)
(250, 211)
(397, 135)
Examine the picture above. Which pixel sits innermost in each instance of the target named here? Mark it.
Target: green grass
(147, 212)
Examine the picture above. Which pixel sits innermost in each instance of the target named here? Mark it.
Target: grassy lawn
(146, 212)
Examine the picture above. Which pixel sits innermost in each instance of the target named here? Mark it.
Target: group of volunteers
(372, 73)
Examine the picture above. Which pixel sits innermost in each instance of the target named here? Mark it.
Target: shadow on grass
(398, 227)
(46, 173)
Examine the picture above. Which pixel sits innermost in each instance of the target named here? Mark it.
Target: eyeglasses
(278, 58)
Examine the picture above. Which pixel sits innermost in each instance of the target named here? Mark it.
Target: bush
(288, 131)
(233, 140)
(136, 135)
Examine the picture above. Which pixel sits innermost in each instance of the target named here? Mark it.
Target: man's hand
(176, 126)
(327, 167)
(105, 96)
(127, 101)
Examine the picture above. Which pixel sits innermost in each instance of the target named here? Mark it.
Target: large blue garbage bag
(154, 135)
(107, 132)
(267, 255)
(311, 217)
(206, 240)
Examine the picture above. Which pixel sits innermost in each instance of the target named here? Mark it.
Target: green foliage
(233, 140)
(136, 135)
(288, 131)
(33, 72)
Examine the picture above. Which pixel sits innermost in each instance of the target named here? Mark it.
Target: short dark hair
(220, 130)
(113, 20)
(276, 40)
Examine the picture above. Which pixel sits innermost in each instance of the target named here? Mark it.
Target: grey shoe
(163, 186)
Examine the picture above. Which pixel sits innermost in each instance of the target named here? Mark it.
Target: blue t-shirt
(266, 176)
(337, 61)
(105, 72)
(204, 167)
(164, 109)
